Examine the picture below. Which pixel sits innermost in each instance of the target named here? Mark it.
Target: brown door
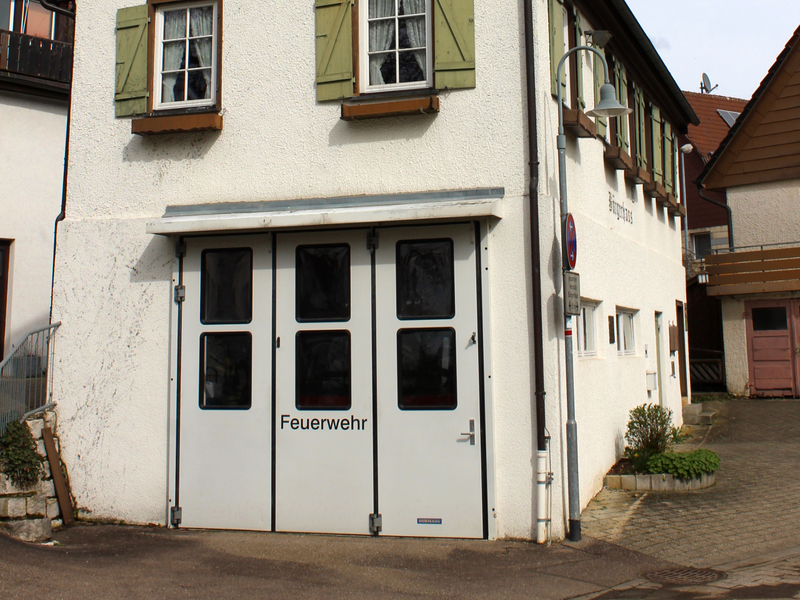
(771, 348)
(4, 246)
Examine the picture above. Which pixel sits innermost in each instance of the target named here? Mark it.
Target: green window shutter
(130, 90)
(579, 62)
(669, 171)
(599, 79)
(454, 44)
(621, 87)
(640, 122)
(655, 124)
(556, 13)
(334, 49)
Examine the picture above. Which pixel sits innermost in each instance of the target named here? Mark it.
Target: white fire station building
(310, 269)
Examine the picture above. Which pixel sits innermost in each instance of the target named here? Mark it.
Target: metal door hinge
(372, 241)
(375, 523)
(180, 250)
(175, 516)
(180, 293)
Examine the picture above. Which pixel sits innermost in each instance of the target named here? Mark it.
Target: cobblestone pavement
(747, 525)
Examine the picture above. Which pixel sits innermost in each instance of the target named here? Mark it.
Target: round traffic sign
(571, 241)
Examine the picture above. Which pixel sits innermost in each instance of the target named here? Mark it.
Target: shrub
(684, 465)
(650, 431)
(18, 456)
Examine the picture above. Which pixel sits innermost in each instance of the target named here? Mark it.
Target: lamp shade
(608, 105)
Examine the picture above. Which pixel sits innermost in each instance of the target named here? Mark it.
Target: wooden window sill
(638, 175)
(673, 207)
(356, 111)
(618, 158)
(156, 124)
(577, 123)
(655, 190)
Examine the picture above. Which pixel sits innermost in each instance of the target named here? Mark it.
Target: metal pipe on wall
(536, 278)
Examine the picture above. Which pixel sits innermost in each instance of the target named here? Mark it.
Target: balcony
(754, 270)
(33, 62)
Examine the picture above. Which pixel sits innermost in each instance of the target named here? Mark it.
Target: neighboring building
(35, 63)
(708, 223)
(707, 233)
(323, 311)
(757, 165)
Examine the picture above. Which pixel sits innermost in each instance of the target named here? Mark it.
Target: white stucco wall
(734, 331)
(766, 213)
(113, 289)
(32, 134)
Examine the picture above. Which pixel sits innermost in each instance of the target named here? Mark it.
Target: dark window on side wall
(772, 318)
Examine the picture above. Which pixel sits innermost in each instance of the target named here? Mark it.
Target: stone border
(658, 483)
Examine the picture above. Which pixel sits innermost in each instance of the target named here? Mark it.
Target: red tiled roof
(707, 136)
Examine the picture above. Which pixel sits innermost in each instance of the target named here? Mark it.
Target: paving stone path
(753, 510)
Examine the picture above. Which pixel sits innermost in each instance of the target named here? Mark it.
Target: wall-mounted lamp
(599, 38)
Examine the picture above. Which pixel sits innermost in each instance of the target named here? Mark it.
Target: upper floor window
(626, 343)
(395, 44)
(587, 329)
(186, 55)
(392, 47)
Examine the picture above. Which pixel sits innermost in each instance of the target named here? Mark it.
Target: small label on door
(424, 521)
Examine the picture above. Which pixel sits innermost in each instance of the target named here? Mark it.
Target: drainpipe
(543, 477)
(702, 194)
(57, 9)
(63, 212)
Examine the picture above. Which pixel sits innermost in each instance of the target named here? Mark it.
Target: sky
(734, 41)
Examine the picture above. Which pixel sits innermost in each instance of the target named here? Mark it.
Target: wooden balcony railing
(754, 271)
(34, 57)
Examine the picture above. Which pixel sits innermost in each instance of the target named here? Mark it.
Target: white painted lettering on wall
(345, 424)
(619, 210)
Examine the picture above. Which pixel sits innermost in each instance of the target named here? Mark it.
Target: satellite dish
(705, 85)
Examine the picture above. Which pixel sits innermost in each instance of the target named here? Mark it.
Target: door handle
(471, 432)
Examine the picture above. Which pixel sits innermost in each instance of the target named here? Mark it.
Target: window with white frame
(626, 342)
(186, 55)
(395, 44)
(587, 329)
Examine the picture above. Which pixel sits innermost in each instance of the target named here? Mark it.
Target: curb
(658, 483)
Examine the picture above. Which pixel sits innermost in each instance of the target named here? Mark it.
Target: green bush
(650, 431)
(684, 465)
(18, 456)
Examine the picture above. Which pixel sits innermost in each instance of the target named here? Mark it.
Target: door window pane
(426, 369)
(225, 368)
(772, 318)
(322, 362)
(425, 280)
(322, 277)
(227, 286)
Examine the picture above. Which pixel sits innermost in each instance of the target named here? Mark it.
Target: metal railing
(25, 382)
(36, 57)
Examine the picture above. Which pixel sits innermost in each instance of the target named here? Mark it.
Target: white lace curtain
(201, 23)
(382, 34)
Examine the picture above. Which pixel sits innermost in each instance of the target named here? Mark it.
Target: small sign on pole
(572, 293)
(570, 241)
